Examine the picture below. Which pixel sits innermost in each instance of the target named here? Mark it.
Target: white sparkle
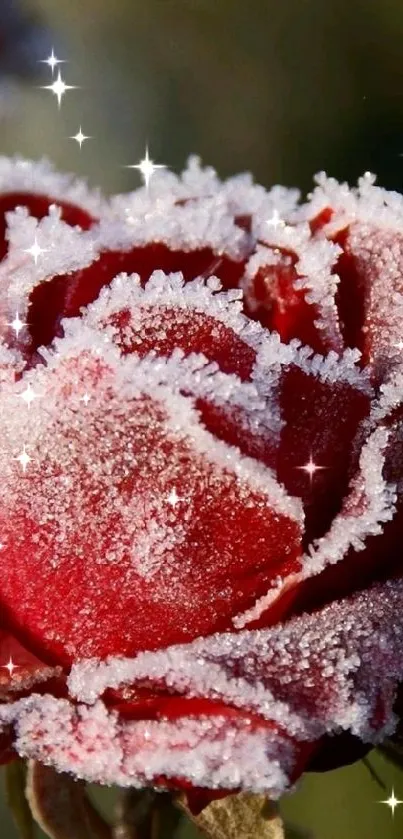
(10, 666)
(391, 802)
(17, 324)
(35, 251)
(399, 345)
(310, 468)
(80, 137)
(52, 61)
(59, 88)
(24, 459)
(276, 220)
(28, 395)
(173, 498)
(147, 167)
(85, 398)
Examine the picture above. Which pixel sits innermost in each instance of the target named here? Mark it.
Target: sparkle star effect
(391, 802)
(275, 220)
(399, 345)
(85, 398)
(52, 61)
(146, 167)
(59, 88)
(17, 324)
(80, 137)
(173, 498)
(35, 251)
(24, 459)
(28, 395)
(310, 468)
(10, 666)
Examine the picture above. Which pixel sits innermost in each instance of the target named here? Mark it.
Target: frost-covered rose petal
(128, 506)
(366, 225)
(351, 649)
(201, 453)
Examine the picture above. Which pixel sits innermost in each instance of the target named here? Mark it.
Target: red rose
(201, 465)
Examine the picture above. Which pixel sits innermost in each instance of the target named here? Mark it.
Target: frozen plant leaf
(60, 807)
(244, 816)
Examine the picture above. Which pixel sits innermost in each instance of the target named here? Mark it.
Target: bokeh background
(283, 89)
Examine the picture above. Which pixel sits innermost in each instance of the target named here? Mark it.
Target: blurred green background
(281, 89)
(284, 89)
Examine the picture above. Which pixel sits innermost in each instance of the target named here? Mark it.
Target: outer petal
(336, 669)
(127, 506)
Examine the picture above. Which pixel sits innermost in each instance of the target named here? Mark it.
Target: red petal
(320, 421)
(163, 329)
(252, 706)
(63, 296)
(93, 513)
(226, 748)
(283, 308)
(170, 316)
(305, 676)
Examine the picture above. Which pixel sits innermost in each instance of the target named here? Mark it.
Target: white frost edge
(366, 203)
(315, 259)
(207, 296)
(18, 174)
(390, 397)
(200, 295)
(133, 376)
(66, 249)
(198, 669)
(332, 368)
(210, 752)
(239, 193)
(348, 530)
(196, 225)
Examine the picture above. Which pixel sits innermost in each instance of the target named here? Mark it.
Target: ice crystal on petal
(370, 503)
(98, 486)
(367, 203)
(11, 362)
(315, 674)
(239, 195)
(171, 292)
(95, 745)
(18, 175)
(65, 249)
(188, 226)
